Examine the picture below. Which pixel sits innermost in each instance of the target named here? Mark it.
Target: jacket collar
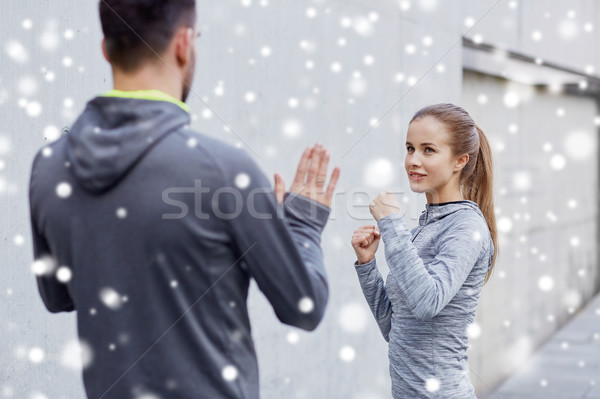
(155, 95)
(435, 212)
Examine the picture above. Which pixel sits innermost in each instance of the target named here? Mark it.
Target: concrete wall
(547, 218)
(313, 71)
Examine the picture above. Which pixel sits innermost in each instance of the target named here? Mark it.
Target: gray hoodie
(430, 297)
(162, 229)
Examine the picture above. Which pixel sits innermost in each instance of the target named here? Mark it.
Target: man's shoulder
(49, 153)
(205, 142)
(228, 157)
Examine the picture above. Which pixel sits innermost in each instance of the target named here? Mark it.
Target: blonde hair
(477, 177)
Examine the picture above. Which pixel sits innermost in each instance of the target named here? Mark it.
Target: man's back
(161, 229)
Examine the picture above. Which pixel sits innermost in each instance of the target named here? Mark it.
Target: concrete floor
(565, 367)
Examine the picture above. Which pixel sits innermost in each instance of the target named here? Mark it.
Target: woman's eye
(410, 148)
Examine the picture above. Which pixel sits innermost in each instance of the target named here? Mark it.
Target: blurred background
(276, 76)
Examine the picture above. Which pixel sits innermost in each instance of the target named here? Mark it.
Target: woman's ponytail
(479, 188)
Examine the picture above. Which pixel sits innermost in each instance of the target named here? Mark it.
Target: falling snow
(64, 274)
(64, 190)
(111, 298)
(338, 87)
(229, 373)
(306, 305)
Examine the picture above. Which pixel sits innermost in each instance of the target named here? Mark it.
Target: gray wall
(547, 219)
(336, 109)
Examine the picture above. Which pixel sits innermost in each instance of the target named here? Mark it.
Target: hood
(434, 212)
(114, 133)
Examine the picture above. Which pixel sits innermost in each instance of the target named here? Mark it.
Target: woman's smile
(416, 176)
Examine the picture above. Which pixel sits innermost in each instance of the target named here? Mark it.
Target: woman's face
(428, 154)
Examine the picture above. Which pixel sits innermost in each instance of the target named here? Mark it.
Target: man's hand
(311, 176)
(385, 204)
(365, 242)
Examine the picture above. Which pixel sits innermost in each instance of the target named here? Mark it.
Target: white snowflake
(363, 26)
(293, 337)
(353, 318)
(51, 133)
(192, 142)
(474, 331)
(378, 173)
(27, 86)
(121, 213)
(568, 29)
(546, 283)
(17, 51)
(250, 97)
(111, 298)
(43, 265)
(306, 305)
(19, 240)
(242, 181)
(50, 39)
(229, 373)
(347, 353)
(311, 12)
(432, 385)
(265, 51)
(291, 128)
(36, 355)
(33, 108)
(63, 190)
(558, 162)
(64, 274)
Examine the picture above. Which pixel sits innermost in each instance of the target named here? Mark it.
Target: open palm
(311, 176)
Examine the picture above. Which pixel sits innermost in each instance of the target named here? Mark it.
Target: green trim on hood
(154, 95)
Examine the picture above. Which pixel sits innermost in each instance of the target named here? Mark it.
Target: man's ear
(183, 40)
(104, 52)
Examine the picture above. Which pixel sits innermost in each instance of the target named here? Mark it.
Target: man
(152, 232)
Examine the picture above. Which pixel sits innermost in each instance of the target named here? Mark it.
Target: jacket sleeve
(54, 294)
(280, 244)
(427, 290)
(373, 289)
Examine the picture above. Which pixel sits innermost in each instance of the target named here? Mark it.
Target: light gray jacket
(430, 297)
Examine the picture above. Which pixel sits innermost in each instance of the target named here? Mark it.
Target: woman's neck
(442, 199)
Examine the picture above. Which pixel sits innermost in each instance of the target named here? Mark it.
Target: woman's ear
(462, 161)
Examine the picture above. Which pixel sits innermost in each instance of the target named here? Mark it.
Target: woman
(437, 270)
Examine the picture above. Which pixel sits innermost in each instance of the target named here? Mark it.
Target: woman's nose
(414, 160)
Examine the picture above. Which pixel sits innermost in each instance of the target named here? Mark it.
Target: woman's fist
(385, 204)
(365, 242)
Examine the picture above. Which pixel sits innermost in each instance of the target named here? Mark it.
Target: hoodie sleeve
(54, 294)
(428, 290)
(373, 289)
(280, 244)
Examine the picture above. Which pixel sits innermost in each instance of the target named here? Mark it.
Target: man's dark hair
(136, 30)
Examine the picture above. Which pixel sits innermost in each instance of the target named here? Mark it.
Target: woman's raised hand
(383, 205)
(365, 242)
